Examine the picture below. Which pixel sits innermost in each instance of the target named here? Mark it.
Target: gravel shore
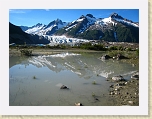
(125, 93)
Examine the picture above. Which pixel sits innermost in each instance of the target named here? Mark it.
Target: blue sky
(30, 17)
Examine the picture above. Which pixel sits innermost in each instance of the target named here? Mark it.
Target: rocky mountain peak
(58, 21)
(82, 16)
(90, 15)
(115, 15)
(38, 24)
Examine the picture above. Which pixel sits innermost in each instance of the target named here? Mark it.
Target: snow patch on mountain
(100, 22)
(70, 27)
(79, 20)
(35, 29)
(108, 20)
(127, 22)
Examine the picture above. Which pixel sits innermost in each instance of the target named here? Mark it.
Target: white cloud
(16, 11)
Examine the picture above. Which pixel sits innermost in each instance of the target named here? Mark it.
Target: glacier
(55, 40)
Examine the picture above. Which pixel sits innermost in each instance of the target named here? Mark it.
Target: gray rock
(118, 78)
(64, 87)
(135, 76)
(130, 102)
(78, 104)
(104, 57)
(119, 56)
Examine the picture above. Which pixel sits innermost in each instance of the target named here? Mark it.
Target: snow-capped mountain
(35, 29)
(87, 21)
(118, 18)
(113, 28)
(16, 35)
(84, 22)
(41, 29)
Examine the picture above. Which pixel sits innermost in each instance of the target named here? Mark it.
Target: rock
(118, 78)
(135, 76)
(125, 92)
(119, 56)
(96, 99)
(113, 57)
(111, 86)
(104, 57)
(111, 93)
(78, 104)
(130, 102)
(64, 87)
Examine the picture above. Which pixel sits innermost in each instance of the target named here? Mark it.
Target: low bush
(26, 52)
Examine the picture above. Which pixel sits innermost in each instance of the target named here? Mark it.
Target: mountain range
(115, 28)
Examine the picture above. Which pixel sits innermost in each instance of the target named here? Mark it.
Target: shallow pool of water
(36, 80)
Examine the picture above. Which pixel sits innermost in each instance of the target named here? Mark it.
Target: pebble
(130, 102)
(78, 104)
(111, 93)
(111, 86)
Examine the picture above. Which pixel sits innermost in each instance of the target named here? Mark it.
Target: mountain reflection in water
(75, 70)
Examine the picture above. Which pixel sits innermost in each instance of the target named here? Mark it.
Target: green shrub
(26, 52)
(137, 52)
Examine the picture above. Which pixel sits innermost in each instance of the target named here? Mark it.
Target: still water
(36, 80)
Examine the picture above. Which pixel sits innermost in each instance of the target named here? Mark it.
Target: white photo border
(142, 109)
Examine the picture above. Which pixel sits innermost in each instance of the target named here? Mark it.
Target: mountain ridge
(16, 35)
(114, 28)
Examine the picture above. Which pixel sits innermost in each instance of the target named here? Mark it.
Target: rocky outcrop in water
(117, 57)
